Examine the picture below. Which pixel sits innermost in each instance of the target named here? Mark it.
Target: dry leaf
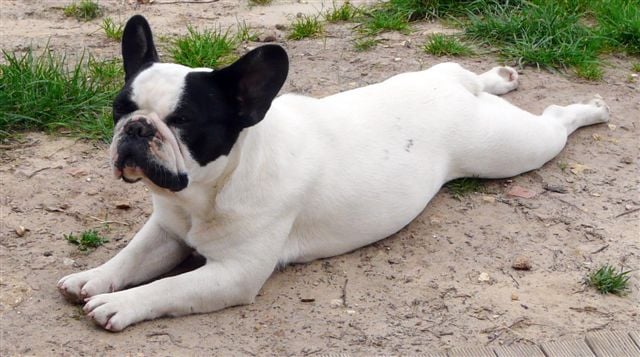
(518, 191)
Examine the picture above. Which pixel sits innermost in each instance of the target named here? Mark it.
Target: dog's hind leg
(504, 140)
(576, 115)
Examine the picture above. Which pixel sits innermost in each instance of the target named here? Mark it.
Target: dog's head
(172, 121)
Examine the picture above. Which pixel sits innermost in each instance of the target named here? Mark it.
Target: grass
(636, 67)
(204, 48)
(85, 10)
(44, 92)
(365, 44)
(112, 29)
(607, 281)
(462, 187)
(380, 20)
(87, 240)
(443, 45)
(304, 27)
(244, 33)
(344, 12)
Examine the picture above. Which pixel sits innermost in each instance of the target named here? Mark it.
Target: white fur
(317, 178)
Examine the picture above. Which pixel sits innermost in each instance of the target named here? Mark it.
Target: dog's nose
(139, 128)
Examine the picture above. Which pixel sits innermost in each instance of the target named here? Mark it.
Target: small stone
(123, 205)
(397, 59)
(48, 253)
(521, 263)
(281, 27)
(626, 160)
(20, 231)
(68, 262)
(484, 277)
(307, 299)
(336, 303)
(514, 297)
(488, 199)
(351, 312)
(269, 38)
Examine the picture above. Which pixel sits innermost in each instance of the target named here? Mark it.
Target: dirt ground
(414, 292)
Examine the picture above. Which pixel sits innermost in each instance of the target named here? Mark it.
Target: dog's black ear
(254, 81)
(137, 46)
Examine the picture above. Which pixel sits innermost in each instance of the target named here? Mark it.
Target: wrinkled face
(171, 120)
(166, 125)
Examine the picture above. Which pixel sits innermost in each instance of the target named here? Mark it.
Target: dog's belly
(385, 156)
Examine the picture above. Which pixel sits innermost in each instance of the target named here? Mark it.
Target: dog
(251, 181)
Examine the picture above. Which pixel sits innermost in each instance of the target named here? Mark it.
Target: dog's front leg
(239, 261)
(151, 252)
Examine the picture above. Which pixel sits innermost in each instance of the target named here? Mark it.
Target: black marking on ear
(254, 81)
(216, 106)
(138, 48)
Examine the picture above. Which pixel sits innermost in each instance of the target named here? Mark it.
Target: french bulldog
(252, 182)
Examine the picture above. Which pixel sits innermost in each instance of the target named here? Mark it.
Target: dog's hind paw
(603, 109)
(500, 80)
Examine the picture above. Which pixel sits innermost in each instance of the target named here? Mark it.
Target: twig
(108, 222)
(38, 170)
(344, 292)
(185, 2)
(600, 249)
(627, 212)
(514, 280)
(171, 338)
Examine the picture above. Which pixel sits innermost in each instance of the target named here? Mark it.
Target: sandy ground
(416, 291)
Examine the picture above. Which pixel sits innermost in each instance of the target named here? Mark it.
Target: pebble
(335, 303)
(20, 231)
(521, 263)
(68, 262)
(514, 297)
(484, 277)
(488, 199)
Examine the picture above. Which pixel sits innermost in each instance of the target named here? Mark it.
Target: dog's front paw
(79, 286)
(114, 311)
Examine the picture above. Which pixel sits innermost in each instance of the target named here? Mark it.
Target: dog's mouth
(135, 162)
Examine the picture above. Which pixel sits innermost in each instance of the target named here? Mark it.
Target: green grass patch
(636, 67)
(112, 30)
(618, 23)
(44, 92)
(365, 44)
(607, 281)
(245, 33)
(204, 48)
(260, 2)
(462, 187)
(382, 19)
(443, 45)
(304, 27)
(344, 12)
(87, 240)
(84, 10)
(548, 35)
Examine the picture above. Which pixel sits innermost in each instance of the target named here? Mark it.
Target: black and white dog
(251, 181)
